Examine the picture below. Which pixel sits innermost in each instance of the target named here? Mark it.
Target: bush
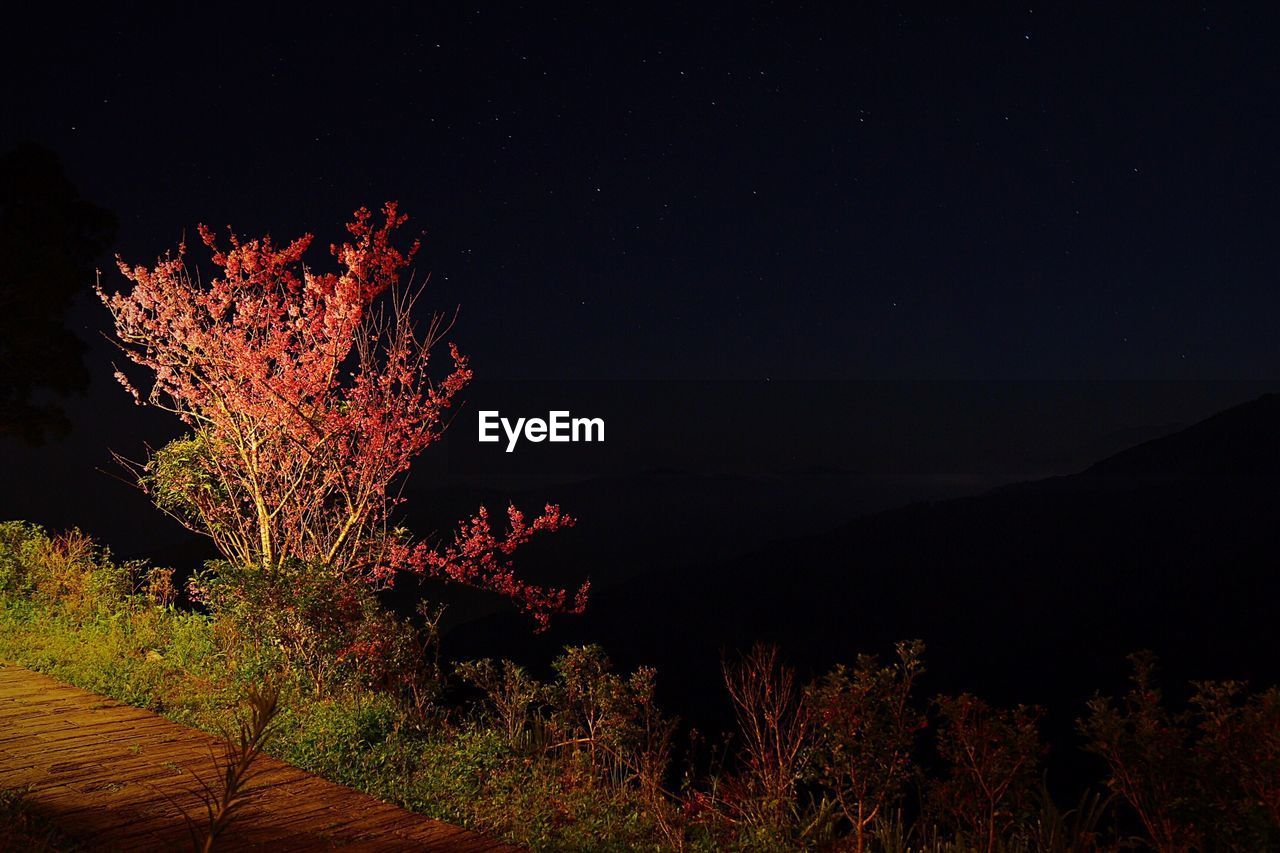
(760, 801)
(1210, 771)
(514, 702)
(339, 739)
(326, 630)
(866, 730)
(1238, 748)
(991, 759)
(611, 720)
(17, 545)
(67, 571)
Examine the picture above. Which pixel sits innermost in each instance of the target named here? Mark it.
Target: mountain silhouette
(1032, 593)
(1242, 441)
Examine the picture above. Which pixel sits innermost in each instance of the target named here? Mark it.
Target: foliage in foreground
(585, 759)
(225, 796)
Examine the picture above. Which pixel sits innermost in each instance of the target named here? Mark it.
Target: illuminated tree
(307, 395)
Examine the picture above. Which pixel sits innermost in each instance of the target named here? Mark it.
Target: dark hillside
(1030, 593)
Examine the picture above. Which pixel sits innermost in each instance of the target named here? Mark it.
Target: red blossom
(308, 395)
(479, 558)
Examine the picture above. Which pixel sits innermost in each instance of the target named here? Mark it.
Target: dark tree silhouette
(49, 238)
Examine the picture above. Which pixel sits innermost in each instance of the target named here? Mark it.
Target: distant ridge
(1028, 593)
(1243, 441)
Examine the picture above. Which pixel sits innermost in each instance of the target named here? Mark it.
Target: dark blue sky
(748, 191)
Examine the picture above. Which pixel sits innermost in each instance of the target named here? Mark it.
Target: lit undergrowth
(167, 661)
(149, 657)
(585, 761)
(92, 623)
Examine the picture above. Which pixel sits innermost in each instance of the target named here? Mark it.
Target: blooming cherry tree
(307, 395)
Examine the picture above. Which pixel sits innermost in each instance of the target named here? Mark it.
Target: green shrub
(1206, 772)
(68, 571)
(17, 552)
(336, 737)
(326, 630)
(865, 737)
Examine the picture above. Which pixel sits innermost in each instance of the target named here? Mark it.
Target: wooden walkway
(103, 773)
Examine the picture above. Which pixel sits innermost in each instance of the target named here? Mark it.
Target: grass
(177, 664)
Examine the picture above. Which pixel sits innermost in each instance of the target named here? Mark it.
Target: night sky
(750, 192)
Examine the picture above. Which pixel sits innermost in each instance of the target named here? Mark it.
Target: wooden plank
(115, 775)
(370, 823)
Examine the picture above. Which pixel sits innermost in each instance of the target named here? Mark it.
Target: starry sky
(743, 191)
